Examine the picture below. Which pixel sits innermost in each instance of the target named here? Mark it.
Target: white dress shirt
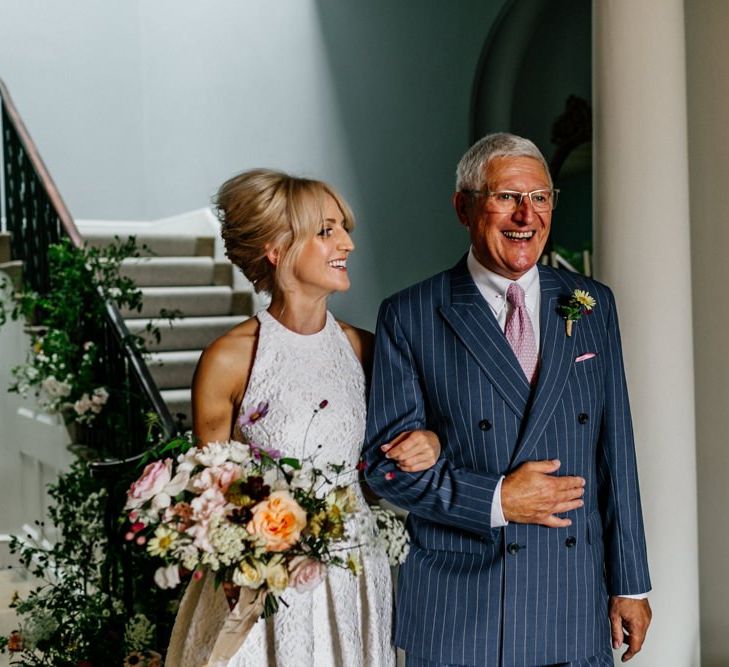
(493, 288)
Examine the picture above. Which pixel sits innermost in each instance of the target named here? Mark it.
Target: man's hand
(629, 620)
(532, 494)
(413, 451)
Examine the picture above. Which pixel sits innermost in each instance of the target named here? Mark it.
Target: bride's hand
(413, 451)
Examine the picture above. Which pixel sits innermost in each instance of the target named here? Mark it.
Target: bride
(291, 238)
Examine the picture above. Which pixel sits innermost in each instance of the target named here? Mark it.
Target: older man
(527, 534)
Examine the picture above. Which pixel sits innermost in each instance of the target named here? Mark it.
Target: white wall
(708, 107)
(141, 109)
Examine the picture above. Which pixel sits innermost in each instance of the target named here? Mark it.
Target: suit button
(484, 425)
(570, 541)
(583, 418)
(513, 548)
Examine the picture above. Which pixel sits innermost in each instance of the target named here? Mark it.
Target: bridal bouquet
(250, 515)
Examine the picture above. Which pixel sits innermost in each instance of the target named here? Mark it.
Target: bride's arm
(219, 382)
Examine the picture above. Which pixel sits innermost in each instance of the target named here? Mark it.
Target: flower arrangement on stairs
(93, 605)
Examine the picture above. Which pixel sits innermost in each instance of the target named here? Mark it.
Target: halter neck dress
(346, 621)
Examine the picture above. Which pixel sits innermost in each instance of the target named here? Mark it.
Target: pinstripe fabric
(604, 659)
(443, 363)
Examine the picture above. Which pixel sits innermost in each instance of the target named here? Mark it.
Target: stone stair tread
(185, 333)
(173, 369)
(169, 271)
(189, 300)
(178, 401)
(164, 245)
(173, 356)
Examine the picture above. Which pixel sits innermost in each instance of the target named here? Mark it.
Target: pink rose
(153, 480)
(305, 574)
(221, 476)
(208, 504)
(277, 521)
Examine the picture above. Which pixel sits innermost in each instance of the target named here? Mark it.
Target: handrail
(51, 232)
(40, 168)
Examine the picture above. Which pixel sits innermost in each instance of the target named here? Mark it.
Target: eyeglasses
(508, 201)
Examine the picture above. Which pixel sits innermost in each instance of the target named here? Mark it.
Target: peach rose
(277, 521)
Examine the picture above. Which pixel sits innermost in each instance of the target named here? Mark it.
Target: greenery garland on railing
(62, 364)
(94, 605)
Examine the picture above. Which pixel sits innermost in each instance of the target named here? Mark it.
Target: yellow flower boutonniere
(580, 303)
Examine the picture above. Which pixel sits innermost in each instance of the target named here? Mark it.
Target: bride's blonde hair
(263, 209)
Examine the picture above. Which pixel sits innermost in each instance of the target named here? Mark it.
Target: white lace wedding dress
(346, 620)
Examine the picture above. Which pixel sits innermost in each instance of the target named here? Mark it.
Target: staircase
(182, 275)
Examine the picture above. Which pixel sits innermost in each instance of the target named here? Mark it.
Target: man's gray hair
(471, 170)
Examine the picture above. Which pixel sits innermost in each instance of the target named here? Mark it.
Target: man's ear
(273, 253)
(460, 203)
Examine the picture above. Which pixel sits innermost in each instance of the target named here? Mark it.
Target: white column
(643, 253)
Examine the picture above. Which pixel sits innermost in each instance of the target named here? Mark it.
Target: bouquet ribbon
(237, 625)
(206, 632)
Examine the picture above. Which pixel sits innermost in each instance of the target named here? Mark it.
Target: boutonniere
(580, 303)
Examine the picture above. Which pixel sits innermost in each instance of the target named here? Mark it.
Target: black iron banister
(36, 217)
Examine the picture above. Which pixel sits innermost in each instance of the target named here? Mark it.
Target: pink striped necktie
(520, 333)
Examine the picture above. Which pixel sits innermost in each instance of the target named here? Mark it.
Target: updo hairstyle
(262, 209)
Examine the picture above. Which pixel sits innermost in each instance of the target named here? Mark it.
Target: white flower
(83, 405)
(178, 483)
(139, 633)
(167, 577)
(228, 540)
(277, 576)
(213, 454)
(163, 540)
(303, 479)
(161, 501)
(240, 453)
(55, 388)
(250, 575)
(187, 554)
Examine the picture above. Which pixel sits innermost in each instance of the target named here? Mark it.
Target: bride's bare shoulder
(233, 351)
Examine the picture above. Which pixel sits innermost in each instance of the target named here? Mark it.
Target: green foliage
(63, 364)
(574, 257)
(94, 603)
(76, 613)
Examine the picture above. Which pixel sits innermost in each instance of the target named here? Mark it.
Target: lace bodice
(346, 620)
(296, 374)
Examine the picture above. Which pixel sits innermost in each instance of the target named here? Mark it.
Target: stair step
(173, 369)
(160, 245)
(190, 301)
(186, 333)
(178, 402)
(169, 271)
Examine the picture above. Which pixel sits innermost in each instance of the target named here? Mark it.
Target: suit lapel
(472, 321)
(557, 358)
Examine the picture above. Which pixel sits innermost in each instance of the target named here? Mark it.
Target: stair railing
(36, 217)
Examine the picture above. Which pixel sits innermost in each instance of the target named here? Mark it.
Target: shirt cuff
(497, 514)
(637, 596)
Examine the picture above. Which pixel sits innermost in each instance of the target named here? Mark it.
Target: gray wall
(708, 110)
(141, 109)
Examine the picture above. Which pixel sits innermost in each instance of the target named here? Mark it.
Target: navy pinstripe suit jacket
(522, 594)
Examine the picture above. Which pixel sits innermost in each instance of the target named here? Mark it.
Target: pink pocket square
(585, 357)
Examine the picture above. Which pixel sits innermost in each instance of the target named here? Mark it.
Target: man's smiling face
(507, 243)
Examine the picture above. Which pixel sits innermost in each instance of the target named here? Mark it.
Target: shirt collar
(493, 287)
